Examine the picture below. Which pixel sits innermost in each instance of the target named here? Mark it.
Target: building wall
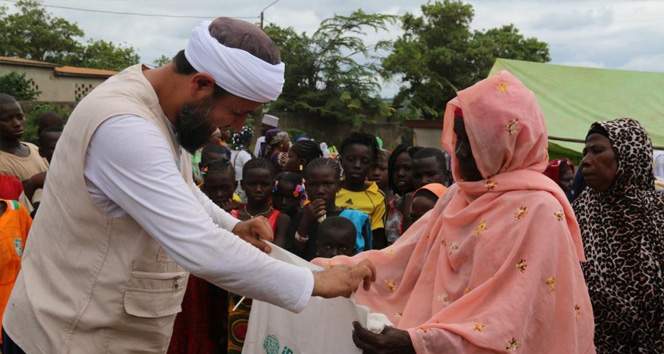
(427, 137)
(333, 133)
(54, 88)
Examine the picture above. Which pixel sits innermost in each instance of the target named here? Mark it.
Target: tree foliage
(104, 55)
(16, 84)
(161, 61)
(438, 54)
(330, 73)
(33, 33)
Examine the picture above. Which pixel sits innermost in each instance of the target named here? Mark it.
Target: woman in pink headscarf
(495, 266)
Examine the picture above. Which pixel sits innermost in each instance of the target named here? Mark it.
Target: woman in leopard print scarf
(622, 224)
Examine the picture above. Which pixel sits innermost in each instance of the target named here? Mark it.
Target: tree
(15, 84)
(438, 54)
(33, 33)
(330, 74)
(104, 55)
(161, 61)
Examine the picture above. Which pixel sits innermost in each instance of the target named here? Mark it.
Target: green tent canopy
(572, 98)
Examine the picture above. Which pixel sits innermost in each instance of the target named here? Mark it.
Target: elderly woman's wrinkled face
(464, 153)
(600, 164)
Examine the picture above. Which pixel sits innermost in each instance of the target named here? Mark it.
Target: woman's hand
(391, 341)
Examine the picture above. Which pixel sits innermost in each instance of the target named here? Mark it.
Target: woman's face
(464, 153)
(600, 164)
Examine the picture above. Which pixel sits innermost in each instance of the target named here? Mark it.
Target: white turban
(234, 70)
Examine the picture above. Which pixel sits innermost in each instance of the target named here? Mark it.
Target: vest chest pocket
(151, 294)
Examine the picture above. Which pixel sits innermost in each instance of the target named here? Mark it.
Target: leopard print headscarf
(623, 235)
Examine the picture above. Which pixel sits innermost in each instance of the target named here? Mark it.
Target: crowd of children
(318, 206)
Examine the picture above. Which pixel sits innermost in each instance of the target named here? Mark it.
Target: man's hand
(254, 231)
(391, 341)
(343, 280)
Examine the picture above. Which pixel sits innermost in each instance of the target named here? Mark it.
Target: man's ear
(201, 86)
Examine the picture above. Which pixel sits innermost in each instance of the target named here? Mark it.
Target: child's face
(379, 172)
(357, 161)
(332, 243)
(12, 120)
(322, 183)
(283, 198)
(427, 170)
(257, 184)
(567, 179)
(292, 162)
(47, 143)
(403, 173)
(420, 206)
(219, 187)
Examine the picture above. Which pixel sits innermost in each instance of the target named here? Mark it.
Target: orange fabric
(14, 227)
(494, 267)
(436, 188)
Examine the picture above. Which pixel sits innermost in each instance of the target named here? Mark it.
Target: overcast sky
(611, 34)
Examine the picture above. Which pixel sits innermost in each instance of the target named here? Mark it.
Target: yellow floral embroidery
(502, 87)
(522, 265)
(391, 285)
(444, 298)
(479, 327)
(551, 283)
(454, 247)
(512, 345)
(490, 184)
(512, 126)
(481, 227)
(520, 213)
(559, 215)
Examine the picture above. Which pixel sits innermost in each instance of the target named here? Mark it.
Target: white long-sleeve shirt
(130, 169)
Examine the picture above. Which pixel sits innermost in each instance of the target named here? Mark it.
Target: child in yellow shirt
(359, 154)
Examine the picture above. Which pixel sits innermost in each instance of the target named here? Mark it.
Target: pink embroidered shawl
(495, 266)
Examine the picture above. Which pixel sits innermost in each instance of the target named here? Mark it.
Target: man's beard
(193, 127)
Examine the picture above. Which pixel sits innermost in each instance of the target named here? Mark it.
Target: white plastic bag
(324, 327)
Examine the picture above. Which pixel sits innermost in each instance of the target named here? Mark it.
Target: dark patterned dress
(623, 234)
